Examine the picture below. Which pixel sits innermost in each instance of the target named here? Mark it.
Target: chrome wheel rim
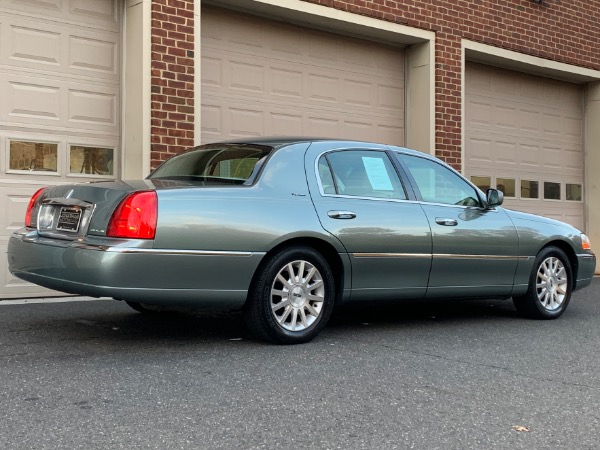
(297, 295)
(552, 283)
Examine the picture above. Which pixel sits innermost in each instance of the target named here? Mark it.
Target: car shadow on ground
(229, 325)
(115, 323)
(408, 311)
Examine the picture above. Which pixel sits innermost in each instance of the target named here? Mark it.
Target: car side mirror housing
(494, 197)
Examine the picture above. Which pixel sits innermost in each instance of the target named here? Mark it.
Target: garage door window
(529, 189)
(507, 186)
(551, 191)
(91, 160)
(483, 183)
(574, 192)
(33, 156)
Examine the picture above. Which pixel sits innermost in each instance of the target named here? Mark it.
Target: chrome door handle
(341, 214)
(446, 222)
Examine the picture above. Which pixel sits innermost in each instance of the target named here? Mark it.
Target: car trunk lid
(72, 211)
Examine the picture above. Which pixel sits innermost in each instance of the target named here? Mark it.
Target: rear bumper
(131, 270)
(586, 266)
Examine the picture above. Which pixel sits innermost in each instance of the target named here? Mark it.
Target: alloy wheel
(551, 283)
(297, 295)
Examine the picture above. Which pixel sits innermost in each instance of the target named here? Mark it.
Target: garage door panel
(521, 136)
(34, 46)
(13, 202)
(224, 118)
(329, 85)
(94, 53)
(14, 199)
(270, 81)
(479, 150)
(101, 10)
(53, 7)
(285, 82)
(505, 118)
(505, 153)
(52, 48)
(390, 132)
(285, 124)
(101, 13)
(58, 103)
(60, 89)
(28, 100)
(523, 155)
(523, 128)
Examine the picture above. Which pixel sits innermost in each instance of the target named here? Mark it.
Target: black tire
(548, 300)
(300, 298)
(143, 308)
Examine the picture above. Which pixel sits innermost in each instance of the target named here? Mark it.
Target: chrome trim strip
(392, 255)
(153, 251)
(456, 256)
(437, 255)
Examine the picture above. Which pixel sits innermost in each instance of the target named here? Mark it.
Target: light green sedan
(288, 228)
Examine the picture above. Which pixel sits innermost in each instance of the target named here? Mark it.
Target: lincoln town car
(286, 229)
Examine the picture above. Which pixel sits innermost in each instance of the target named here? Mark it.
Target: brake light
(31, 206)
(135, 217)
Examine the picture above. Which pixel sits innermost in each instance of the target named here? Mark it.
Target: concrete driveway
(447, 375)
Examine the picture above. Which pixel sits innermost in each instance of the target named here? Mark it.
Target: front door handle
(341, 214)
(446, 222)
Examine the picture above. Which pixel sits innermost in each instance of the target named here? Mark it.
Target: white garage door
(524, 134)
(266, 78)
(59, 108)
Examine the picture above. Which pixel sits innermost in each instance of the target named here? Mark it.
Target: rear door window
(360, 173)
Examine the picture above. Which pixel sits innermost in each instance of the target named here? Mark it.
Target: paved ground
(451, 375)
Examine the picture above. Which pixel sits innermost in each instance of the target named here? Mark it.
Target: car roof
(282, 141)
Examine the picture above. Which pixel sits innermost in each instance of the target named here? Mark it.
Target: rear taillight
(31, 206)
(135, 217)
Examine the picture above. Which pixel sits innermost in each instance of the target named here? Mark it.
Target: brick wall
(565, 31)
(172, 82)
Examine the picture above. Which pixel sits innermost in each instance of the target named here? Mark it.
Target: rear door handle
(341, 214)
(446, 222)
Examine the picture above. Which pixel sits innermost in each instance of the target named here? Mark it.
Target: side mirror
(494, 197)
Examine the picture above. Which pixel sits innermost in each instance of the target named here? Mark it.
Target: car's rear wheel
(550, 286)
(292, 297)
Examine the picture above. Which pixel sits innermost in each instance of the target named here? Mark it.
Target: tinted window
(234, 164)
(360, 173)
(438, 184)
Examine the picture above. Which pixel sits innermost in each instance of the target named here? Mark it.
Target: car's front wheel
(550, 286)
(292, 297)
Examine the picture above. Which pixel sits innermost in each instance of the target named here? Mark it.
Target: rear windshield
(229, 164)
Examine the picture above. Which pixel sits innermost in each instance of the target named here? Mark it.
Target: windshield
(229, 164)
